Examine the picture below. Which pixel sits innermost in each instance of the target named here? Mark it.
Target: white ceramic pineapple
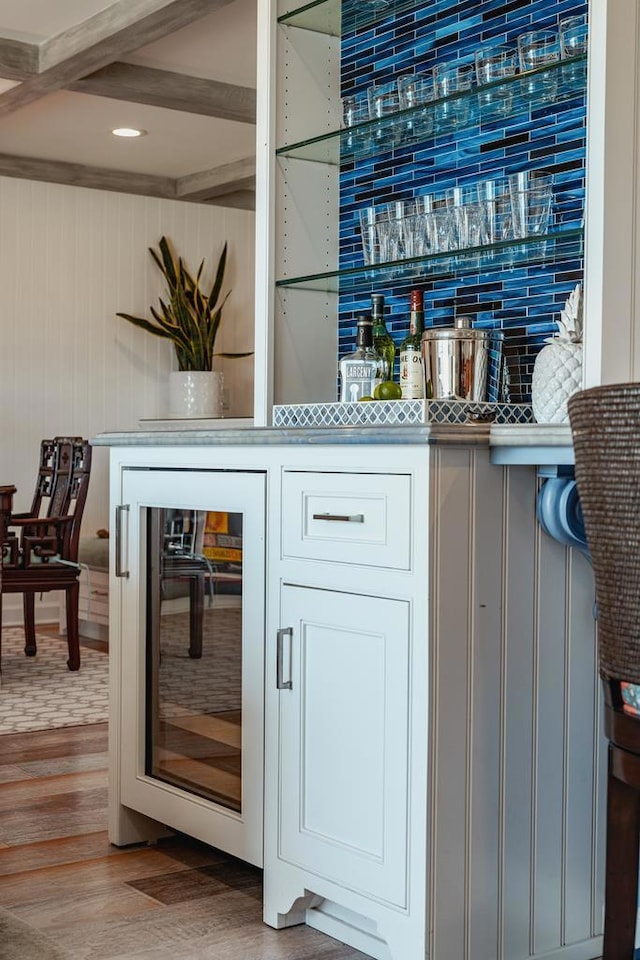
(557, 372)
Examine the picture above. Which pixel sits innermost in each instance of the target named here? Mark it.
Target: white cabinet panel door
(343, 728)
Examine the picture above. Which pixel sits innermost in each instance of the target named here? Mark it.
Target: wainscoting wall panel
(69, 259)
(517, 755)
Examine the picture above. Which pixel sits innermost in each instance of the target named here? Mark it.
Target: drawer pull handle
(281, 683)
(342, 518)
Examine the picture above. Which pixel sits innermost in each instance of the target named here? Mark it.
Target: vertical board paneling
(450, 733)
(549, 698)
(486, 712)
(520, 589)
(69, 259)
(516, 753)
(584, 833)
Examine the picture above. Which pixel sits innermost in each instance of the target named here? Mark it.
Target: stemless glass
(573, 43)
(416, 90)
(492, 65)
(451, 79)
(531, 198)
(536, 49)
(573, 37)
(368, 216)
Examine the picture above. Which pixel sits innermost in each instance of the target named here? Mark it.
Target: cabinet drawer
(360, 518)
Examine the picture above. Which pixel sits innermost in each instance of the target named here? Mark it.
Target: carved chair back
(51, 528)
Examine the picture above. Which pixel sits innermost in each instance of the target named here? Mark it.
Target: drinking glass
(450, 79)
(531, 197)
(495, 204)
(389, 231)
(573, 43)
(492, 65)
(573, 37)
(416, 90)
(369, 235)
(463, 221)
(355, 110)
(383, 99)
(536, 49)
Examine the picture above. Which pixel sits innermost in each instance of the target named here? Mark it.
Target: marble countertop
(453, 434)
(533, 444)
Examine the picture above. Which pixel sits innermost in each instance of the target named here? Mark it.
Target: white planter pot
(195, 393)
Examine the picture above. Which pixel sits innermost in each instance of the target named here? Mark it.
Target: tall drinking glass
(452, 80)
(531, 199)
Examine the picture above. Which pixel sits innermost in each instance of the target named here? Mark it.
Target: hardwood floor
(176, 900)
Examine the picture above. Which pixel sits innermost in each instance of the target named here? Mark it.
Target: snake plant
(189, 317)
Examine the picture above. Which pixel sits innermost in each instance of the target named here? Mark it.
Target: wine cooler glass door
(192, 665)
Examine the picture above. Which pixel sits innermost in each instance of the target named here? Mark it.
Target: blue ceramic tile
(523, 301)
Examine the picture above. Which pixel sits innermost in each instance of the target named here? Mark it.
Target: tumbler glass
(492, 65)
(573, 37)
(537, 49)
(451, 79)
(416, 90)
(573, 43)
(355, 110)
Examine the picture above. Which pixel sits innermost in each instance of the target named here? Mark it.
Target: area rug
(41, 693)
(18, 941)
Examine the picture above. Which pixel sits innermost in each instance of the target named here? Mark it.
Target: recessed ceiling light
(128, 132)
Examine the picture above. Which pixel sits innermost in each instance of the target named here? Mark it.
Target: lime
(365, 398)
(387, 390)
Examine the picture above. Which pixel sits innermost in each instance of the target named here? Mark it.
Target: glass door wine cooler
(191, 559)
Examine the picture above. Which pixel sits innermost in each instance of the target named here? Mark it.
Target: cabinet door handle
(344, 518)
(121, 510)
(282, 684)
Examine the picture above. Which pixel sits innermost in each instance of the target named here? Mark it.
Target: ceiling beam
(18, 60)
(81, 175)
(121, 28)
(122, 181)
(173, 91)
(228, 178)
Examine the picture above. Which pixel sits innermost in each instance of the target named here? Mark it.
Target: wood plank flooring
(176, 900)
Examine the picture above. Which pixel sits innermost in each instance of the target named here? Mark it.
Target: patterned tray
(402, 412)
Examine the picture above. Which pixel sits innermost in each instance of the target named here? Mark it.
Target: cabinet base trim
(348, 927)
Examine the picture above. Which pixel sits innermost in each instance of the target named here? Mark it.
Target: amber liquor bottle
(411, 365)
(382, 339)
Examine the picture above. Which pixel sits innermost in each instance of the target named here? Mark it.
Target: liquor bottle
(362, 370)
(382, 339)
(411, 365)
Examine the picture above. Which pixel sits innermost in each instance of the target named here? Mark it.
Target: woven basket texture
(605, 424)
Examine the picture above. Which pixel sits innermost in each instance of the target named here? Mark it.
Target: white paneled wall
(69, 259)
(518, 755)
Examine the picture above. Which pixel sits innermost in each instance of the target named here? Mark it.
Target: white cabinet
(424, 797)
(425, 669)
(344, 739)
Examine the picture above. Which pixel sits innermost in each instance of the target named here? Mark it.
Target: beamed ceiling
(182, 70)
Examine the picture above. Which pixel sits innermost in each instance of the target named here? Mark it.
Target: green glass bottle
(382, 339)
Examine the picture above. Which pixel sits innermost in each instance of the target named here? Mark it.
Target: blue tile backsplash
(522, 300)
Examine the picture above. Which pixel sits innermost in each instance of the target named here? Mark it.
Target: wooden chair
(40, 548)
(605, 423)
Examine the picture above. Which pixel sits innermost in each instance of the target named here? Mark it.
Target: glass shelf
(505, 255)
(335, 18)
(494, 101)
